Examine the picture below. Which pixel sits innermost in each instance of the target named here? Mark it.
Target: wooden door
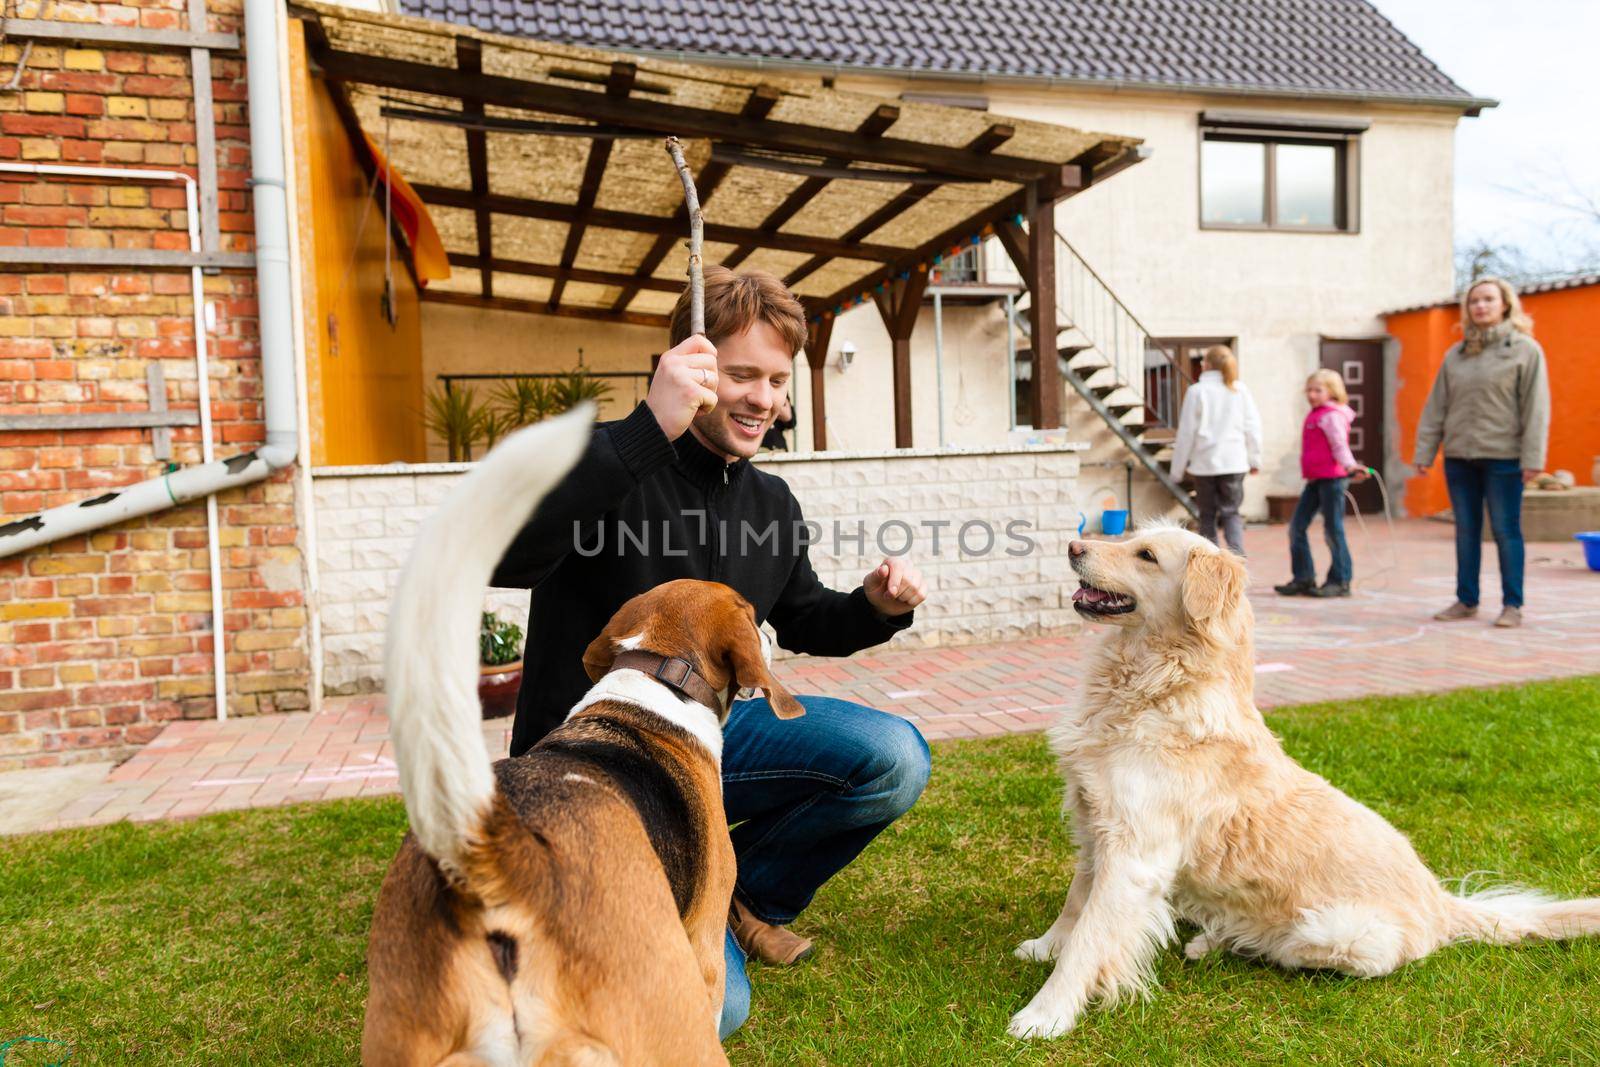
(1360, 364)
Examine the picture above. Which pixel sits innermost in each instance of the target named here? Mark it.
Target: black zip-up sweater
(639, 510)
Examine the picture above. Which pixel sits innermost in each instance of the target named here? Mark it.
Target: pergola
(543, 168)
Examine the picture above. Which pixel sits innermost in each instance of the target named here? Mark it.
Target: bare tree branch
(1556, 186)
(691, 198)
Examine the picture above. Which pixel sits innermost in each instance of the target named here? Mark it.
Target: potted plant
(524, 401)
(500, 670)
(576, 387)
(495, 425)
(456, 416)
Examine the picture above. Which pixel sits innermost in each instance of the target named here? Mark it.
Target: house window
(1233, 183)
(1278, 173)
(963, 268)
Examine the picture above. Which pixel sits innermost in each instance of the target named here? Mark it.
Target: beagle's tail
(431, 657)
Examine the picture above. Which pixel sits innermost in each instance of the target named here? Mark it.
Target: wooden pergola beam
(992, 138)
(1045, 386)
(656, 224)
(1109, 163)
(538, 307)
(668, 118)
(924, 252)
(1014, 239)
(576, 274)
(987, 141)
(899, 304)
(469, 60)
(619, 83)
(819, 335)
(882, 117)
(760, 101)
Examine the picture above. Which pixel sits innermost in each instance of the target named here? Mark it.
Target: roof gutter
(1471, 105)
(276, 320)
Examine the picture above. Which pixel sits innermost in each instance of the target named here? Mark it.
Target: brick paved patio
(1381, 641)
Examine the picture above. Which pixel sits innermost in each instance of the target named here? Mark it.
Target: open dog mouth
(1095, 601)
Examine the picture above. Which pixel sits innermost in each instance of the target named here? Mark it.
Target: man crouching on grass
(669, 492)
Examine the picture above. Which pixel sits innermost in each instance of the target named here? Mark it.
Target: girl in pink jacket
(1327, 466)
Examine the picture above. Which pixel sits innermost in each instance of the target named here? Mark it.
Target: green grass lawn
(239, 938)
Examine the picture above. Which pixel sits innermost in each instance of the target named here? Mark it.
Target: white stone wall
(366, 517)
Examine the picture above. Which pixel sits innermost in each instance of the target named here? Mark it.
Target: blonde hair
(1475, 336)
(1220, 358)
(1330, 380)
(736, 301)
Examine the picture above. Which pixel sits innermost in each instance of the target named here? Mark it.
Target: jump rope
(1366, 535)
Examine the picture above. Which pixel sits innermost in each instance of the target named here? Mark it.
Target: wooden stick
(691, 199)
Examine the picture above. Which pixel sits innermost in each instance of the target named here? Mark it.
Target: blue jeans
(1327, 496)
(1499, 482)
(804, 797)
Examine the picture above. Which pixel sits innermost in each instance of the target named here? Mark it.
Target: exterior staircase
(1134, 384)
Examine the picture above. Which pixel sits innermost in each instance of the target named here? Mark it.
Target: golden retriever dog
(1184, 805)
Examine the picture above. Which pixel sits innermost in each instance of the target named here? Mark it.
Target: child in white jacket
(1219, 440)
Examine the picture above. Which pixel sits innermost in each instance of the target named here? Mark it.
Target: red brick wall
(104, 638)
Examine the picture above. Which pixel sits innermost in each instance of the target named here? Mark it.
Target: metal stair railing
(1127, 377)
(1135, 358)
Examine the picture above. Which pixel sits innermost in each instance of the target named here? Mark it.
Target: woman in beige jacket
(1490, 411)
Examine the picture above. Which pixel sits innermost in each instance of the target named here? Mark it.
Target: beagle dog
(567, 906)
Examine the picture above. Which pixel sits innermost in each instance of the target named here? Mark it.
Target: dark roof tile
(1333, 47)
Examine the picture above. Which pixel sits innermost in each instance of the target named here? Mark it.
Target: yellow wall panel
(365, 374)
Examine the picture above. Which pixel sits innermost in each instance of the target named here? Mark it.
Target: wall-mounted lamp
(847, 354)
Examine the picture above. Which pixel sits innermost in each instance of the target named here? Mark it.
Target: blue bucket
(1113, 523)
(1591, 548)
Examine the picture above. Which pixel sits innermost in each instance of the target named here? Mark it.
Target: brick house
(104, 637)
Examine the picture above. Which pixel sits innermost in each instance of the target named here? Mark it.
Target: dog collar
(673, 672)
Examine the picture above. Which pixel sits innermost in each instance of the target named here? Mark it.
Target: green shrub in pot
(499, 641)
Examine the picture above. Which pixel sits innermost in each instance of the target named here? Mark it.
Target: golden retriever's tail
(431, 657)
(1505, 916)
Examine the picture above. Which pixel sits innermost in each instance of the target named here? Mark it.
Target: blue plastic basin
(1591, 548)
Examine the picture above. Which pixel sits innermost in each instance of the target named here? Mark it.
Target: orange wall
(1564, 322)
(1422, 338)
(364, 376)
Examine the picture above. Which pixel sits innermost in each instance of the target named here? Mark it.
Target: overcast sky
(1538, 58)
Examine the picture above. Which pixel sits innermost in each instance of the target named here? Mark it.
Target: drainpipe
(938, 357)
(1011, 359)
(277, 346)
(267, 184)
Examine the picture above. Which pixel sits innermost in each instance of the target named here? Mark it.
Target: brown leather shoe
(1509, 619)
(765, 942)
(1456, 612)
